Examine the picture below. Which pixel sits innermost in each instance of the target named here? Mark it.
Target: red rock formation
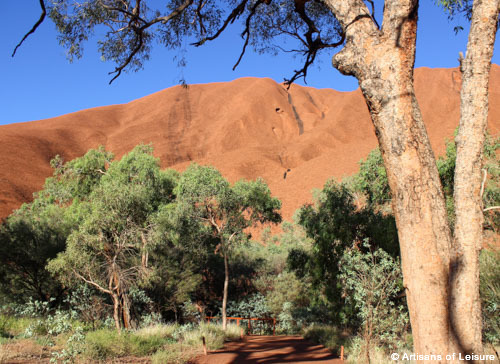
(247, 128)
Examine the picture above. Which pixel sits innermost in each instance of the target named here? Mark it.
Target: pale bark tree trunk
(226, 286)
(465, 306)
(382, 61)
(125, 310)
(116, 312)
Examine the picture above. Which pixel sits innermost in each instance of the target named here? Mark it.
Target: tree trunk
(116, 312)
(465, 305)
(382, 61)
(226, 286)
(145, 253)
(125, 310)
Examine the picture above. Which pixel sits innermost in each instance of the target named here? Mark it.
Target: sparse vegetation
(133, 247)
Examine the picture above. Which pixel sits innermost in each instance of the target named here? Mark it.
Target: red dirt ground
(269, 350)
(246, 128)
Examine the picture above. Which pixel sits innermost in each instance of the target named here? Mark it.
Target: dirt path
(269, 350)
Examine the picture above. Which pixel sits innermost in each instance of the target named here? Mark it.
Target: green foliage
(75, 345)
(13, 326)
(106, 343)
(48, 323)
(490, 294)
(334, 224)
(329, 336)
(127, 32)
(491, 195)
(76, 179)
(372, 281)
(203, 194)
(209, 210)
(252, 306)
(372, 182)
(213, 333)
(112, 239)
(28, 239)
(372, 179)
(157, 340)
(190, 340)
(87, 305)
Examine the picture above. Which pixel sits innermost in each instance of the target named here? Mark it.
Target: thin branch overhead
(139, 32)
(246, 32)
(34, 28)
(235, 14)
(313, 45)
(131, 22)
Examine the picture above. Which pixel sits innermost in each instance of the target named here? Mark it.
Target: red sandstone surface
(246, 128)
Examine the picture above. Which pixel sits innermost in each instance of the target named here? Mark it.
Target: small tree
(109, 251)
(37, 232)
(225, 211)
(372, 281)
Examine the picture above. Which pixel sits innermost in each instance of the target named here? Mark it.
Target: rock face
(246, 128)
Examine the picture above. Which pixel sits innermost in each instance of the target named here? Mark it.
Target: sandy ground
(269, 350)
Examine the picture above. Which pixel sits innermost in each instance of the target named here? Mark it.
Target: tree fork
(383, 61)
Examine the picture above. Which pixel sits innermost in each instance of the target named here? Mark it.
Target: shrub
(214, 335)
(490, 294)
(328, 336)
(162, 341)
(107, 343)
(163, 330)
(355, 353)
(372, 281)
(174, 354)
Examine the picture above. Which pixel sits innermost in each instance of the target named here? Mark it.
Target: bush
(372, 281)
(214, 335)
(174, 354)
(106, 343)
(490, 294)
(328, 336)
(355, 353)
(164, 342)
(163, 330)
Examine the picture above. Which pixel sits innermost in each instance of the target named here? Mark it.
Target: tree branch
(312, 45)
(311, 54)
(104, 290)
(235, 14)
(173, 14)
(492, 208)
(139, 31)
(485, 174)
(373, 13)
(247, 30)
(34, 28)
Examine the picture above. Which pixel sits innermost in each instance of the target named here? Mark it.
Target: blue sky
(39, 82)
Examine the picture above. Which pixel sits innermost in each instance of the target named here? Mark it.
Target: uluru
(294, 139)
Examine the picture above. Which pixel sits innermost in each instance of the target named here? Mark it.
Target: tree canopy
(225, 211)
(128, 30)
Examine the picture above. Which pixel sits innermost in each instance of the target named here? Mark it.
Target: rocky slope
(247, 128)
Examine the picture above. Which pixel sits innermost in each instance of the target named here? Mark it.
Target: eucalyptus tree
(110, 249)
(381, 56)
(225, 211)
(37, 232)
